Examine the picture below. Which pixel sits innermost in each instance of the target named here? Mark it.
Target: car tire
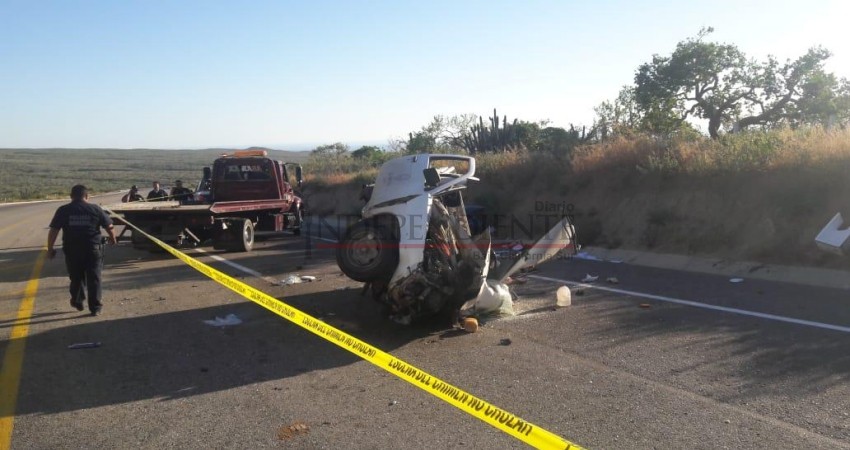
(298, 222)
(245, 240)
(368, 251)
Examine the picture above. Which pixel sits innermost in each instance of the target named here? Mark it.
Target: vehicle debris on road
(516, 280)
(289, 431)
(290, 280)
(438, 265)
(588, 278)
(835, 236)
(470, 324)
(563, 297)
(586, 256)
(296, 279)
(228, 320)
(84, 345)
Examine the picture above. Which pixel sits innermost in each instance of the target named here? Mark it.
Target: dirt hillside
(768, 216)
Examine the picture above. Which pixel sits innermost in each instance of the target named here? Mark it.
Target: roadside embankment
(758, 197)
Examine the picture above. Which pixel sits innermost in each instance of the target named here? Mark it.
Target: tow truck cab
(251, 175)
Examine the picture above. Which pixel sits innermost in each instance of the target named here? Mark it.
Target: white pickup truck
(415, 250)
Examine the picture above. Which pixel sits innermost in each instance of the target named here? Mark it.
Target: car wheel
(298, 222)
(245, 242)
(368, 251)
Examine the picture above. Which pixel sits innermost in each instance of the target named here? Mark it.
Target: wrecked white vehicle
(414, 249)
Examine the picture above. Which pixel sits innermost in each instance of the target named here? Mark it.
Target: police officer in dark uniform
(157, 193)
(183, 194)
(80, 223)
(133, 195)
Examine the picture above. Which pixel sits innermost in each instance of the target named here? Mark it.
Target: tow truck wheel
(245, 241)
(299, 221)
(367, 252)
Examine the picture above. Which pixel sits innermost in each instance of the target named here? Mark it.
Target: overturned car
(415, 250)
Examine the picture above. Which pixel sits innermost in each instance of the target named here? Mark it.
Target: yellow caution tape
(509, 423)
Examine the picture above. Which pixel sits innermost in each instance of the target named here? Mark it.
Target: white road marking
(677, 301)
(324, 239)
(30, 202)
(239, 267)
(661, 298)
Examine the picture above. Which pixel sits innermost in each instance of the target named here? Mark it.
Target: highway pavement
(661, 359)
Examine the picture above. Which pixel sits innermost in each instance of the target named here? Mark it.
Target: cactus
(499, 136)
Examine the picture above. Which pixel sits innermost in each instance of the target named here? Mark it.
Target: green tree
(718, 83)
(561, 142)
(367, 152)
(333, 151)
(619, 115)
(329, 156)
(443, 133)
(825, 100)
(555, 140)
(529, 134)
(421, 141)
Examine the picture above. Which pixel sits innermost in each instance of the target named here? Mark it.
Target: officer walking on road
(80, 223)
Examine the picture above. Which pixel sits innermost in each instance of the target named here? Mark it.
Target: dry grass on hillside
(741, 152)
(750, 151)
(758, 195)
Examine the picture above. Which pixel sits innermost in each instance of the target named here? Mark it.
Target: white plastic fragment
(228, 320)
(736, 280)
(292, 279)
(587, 256)
(563, 297)
(835, 236)
(588, 278)
(308, 278)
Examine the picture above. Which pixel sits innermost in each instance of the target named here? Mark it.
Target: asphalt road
(615, 370)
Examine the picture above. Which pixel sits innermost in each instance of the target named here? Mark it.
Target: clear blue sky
(189, 74)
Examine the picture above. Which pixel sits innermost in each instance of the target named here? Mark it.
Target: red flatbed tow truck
(243, 195)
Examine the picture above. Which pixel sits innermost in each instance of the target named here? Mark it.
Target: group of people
(178, 192)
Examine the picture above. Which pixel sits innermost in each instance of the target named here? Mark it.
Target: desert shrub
(755, 150)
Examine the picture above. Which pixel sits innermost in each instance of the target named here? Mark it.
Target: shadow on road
(758, 356)
(756, 352)
(755, 357)
(176, 355)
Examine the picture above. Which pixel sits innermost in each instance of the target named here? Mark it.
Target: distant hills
(286, 155)
(38, 173)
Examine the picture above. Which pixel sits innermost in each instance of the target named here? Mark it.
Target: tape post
(494, 416)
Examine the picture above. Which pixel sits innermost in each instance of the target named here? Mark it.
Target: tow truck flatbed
(240, 193)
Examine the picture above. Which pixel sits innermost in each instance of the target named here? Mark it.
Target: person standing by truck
(80, 223)
(157, 193)
(132, 196)
(180, 193)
